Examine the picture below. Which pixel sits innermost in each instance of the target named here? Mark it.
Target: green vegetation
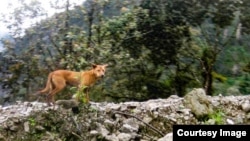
(218, 117)
(154, 48)
(32, 121)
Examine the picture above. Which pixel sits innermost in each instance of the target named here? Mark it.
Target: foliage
(247, 67)
(219, 77)
(79, 93)
(218, 117)
(244, 17)
(153, 48)
(32, 121)
(23, 11)
(244, 85)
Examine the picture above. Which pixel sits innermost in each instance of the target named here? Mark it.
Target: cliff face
(149, 120)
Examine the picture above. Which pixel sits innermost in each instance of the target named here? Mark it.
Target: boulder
(198, 102)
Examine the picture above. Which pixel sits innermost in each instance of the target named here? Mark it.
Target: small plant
(32, 121)
(80, 95)
(79, 91)
(217, 116)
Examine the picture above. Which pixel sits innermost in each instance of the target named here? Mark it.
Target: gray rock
(229, 121)
(168, 137)
(248, 116)
(215, 103)
(111, 138)
(14, 128)
(67, 104)
(126, 128)
(211, 122)
(124, 137)
(21, 110)
(147, 119)
(115, 107)
(118, 122)
(39, 128)
(246, 106)
(94, 133)
(184, 111)
(130, 125)
(198, 102)
(108, 123)
(50, 137)
(26, 126)
(102, 130)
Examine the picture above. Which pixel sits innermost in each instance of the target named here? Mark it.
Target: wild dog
(57, 80)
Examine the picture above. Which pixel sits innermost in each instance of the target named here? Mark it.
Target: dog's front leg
(87, 94)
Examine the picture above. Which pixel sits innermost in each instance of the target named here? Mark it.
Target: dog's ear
(94, 66)
(105, 65)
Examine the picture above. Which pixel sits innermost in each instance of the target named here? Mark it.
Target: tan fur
(57, 80)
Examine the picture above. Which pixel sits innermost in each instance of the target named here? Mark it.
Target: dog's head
(99, 70)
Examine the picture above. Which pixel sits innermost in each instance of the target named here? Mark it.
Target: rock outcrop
(199, 103)
(128, 121)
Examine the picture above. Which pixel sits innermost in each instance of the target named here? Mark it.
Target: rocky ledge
(129, 121)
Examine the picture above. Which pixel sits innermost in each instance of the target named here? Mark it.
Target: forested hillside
(154, 48)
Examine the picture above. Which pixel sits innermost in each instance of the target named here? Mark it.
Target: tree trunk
(208, 81)
(207, 62)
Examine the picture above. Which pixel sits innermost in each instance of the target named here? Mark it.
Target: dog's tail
(48, 86)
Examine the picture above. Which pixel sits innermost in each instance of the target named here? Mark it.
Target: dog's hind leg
(59, 85)
(55, 91)
(48, 99)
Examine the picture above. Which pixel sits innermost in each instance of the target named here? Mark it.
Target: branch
(77, 126)
(56, 46)
(77, 135)
(230, 36)
(153, 128)
(142, 34)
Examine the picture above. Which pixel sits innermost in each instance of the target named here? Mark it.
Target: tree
(21, 16)
(139, 37)
(37, 40)
(154, 48)
(213, 36)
